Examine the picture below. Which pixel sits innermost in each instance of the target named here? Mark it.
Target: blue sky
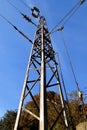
(15, 50)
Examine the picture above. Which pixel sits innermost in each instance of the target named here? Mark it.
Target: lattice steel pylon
(41, 76)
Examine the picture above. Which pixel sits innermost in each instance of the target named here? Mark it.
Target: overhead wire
(62, 76)
(25, 4)
(35, 11)
(64, 17)
(73, 10)
(80, 94)
(63, 82)
(26, 37)
(72, 13)
(66, 20)
(67, 16)
(14, 6)
(69, 61)
(24, 15)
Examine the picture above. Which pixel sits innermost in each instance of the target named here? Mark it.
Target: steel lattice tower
(41, 75)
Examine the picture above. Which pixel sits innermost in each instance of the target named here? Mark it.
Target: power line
(66, 20)
(80, 94)
(72, 13)
(68, 15)
(69, 61)
(25, 4)
(24, 15)
(35, 11)
(62, 77)
(26, 37)
(14, 6)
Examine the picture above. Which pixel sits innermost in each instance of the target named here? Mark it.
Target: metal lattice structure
(41, 75)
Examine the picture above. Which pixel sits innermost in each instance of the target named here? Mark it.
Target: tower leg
(43, 107)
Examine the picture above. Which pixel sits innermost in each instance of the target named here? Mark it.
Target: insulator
(82, 1)
(26, 17)
(61, 28)
(80, 96)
